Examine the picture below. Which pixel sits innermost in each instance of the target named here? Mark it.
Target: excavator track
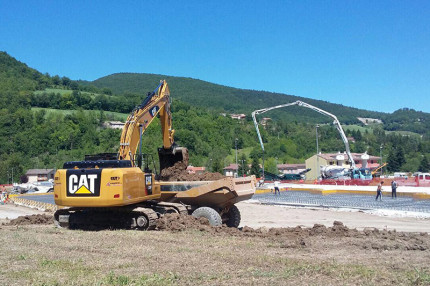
(141, 216)
(174, 208)
(144, 218)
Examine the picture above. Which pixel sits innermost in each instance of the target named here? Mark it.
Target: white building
(37, 175)
(231, 170)
(114, 124)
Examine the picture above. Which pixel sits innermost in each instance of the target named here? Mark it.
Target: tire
(233, 217)
(209, 213)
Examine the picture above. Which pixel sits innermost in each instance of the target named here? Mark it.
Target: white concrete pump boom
(304, 104)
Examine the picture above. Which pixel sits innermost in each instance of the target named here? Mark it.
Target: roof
(39, 172)
(233, 167)
(291, 166)
(355, 156)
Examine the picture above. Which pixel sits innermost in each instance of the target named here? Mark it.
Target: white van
(400, 175)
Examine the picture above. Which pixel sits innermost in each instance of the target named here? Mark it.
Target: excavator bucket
(169, 157)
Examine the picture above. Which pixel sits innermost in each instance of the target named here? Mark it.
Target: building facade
(231, 170)
(38, 175)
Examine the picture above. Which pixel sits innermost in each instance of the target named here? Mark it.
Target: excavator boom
(157, 103)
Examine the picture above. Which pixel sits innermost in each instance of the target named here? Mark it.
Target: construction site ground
(276, 245)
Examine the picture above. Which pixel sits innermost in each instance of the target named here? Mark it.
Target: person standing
(379, 191)
(277, 188)
(394, 189)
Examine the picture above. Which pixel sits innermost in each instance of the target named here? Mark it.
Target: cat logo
(83, 183)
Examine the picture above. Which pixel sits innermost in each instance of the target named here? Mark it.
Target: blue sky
(373, 55)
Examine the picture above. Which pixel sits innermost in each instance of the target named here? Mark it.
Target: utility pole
(318, 163)
(235, 144)
(380, 153)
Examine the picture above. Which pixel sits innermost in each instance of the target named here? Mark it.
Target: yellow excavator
(376, 170)
(113, 190)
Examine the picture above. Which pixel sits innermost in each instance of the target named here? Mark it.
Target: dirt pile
(32, 219)
(300, 237)
(289, 237)
(178, 172)
(176, 222)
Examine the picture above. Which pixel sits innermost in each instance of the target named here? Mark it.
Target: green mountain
(231, 100)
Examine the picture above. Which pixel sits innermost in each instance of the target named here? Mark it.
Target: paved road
(357, 201)
(48, 198)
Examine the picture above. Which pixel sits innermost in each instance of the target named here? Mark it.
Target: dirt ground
(187, 251)
(258, 215)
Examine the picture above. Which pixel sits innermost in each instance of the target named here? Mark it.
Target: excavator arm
(374, 171)
(156, 103)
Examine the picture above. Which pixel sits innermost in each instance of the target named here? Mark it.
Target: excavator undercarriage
(139, 216)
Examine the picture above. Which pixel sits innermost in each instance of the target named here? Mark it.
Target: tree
(424, 165)
(74, 85)
(392, 162)
(217, 166)
(270, 166)
(23, 179)
(400, 157)
(66, 81)
(255, 167)
(243, 166)
(56, 80)
(107, 91)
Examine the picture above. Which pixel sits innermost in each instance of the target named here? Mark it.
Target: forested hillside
(231, 100)
(33, 136)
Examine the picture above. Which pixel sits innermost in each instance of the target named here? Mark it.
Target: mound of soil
(299, 237)
(289, 237)
(178, 172)
(176, 222)
(32, 219)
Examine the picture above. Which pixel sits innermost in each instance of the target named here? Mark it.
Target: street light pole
(318, 163)
(243, 172)
(235, 144)
(380, 153)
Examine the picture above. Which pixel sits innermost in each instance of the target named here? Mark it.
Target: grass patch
(109, 114)
(147, 279)
(419, 277)
(64, 91)
(42, 256)
(54, 90)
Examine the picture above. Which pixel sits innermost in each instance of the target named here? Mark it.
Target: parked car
(43, 187)
(34, 188)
